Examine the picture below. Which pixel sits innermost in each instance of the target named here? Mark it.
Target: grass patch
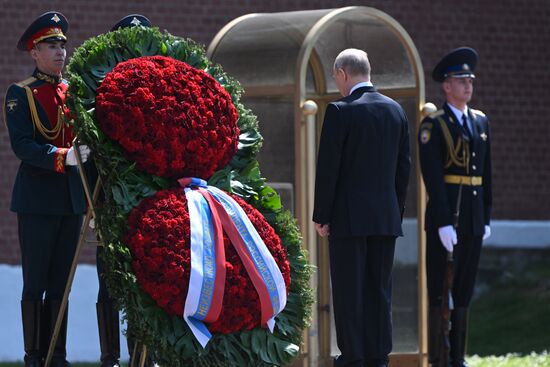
(512, 314)
(511, 360)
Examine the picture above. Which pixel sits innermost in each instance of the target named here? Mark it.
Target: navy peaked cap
(459, 63)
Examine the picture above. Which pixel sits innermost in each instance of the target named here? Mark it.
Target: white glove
(91, 223)
(487, 233)
(70, 159)
(447, 235)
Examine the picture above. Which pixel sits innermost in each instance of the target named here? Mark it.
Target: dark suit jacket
(41, 185)
(363, 166)
(476, 201)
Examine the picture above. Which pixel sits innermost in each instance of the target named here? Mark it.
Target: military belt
(463, 180)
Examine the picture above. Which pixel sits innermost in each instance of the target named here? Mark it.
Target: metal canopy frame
(307, 39)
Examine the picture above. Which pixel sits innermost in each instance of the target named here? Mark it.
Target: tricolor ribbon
(211, 212)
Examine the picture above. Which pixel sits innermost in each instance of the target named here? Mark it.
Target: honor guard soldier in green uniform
(48, 196)
(107, 314)
(455, 158)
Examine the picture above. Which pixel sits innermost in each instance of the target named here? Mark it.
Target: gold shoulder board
(478, 112)
(26, 82)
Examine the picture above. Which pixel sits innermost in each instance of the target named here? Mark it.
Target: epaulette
(26, 82)
(478, 112)
(437, 113)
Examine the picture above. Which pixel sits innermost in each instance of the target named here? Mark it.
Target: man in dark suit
(455, 158)
(362, 177)
(47, 195)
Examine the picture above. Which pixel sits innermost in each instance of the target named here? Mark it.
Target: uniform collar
(52, 79)
(359, 85)
(458, 113)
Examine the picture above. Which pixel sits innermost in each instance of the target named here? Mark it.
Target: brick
(511, 37)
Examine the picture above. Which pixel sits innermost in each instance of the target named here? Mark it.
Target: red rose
(171, 119)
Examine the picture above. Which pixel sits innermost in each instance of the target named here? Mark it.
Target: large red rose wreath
(171, 119)
(154, 109)
(158, 237)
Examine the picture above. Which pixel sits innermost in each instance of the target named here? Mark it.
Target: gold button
(475, 192)
(35, 91)
(474, 167)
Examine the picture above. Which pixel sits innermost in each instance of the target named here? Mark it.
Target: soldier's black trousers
(103, 293)
(48, 244)
(466, 260)
(361, 275)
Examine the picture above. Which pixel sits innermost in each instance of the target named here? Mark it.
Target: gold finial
(428, 109)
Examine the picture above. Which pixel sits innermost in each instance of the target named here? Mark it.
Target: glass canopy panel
(391, 66)
(276, 122)
(261, 50)
(405, 270)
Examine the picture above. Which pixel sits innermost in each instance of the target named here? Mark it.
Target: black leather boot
(51, 309)
(434, 336)
(459, 321)
(108, 327)
(31, 314)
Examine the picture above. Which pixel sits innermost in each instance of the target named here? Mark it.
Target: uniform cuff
(59, 160)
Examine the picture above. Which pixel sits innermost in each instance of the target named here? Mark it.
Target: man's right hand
(322, 229)
(447, 235)
(70, 160)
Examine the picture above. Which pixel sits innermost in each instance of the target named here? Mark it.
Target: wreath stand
(91, 198)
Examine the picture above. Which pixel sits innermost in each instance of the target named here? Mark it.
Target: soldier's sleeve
(431, 149)
(487, 178)
(22, 134)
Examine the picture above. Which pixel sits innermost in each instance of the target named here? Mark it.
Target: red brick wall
(512, 38)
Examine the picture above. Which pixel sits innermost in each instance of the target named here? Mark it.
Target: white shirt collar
(458, 113)
(359, 85)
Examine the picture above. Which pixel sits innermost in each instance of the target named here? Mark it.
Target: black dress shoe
(339, 362)
(59, 362)
(376, 363)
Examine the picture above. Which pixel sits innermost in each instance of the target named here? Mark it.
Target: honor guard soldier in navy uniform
(107, 313)
(48, 196)
(455, 158)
